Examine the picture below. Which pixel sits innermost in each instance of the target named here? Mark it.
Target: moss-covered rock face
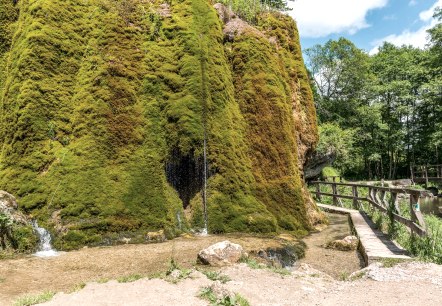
(105, 107)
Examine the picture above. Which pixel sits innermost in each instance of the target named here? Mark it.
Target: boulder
(9, 207)
(221, 254)
(349, 243)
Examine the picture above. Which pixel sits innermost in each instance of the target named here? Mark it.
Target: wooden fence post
(416, 215)
(412, 173)
(394, 201)
(426, 176)
(382, 198)
(318, 192)
(335, 192)
(355, 197)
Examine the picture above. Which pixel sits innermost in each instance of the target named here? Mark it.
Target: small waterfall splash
(44, 246)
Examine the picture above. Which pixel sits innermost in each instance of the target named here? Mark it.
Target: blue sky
(365, 22)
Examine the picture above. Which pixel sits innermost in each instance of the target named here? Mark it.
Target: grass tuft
(34, 299)
(216, 276)
(129, 278)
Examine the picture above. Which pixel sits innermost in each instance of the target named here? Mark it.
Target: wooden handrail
(377, 198)
(390, 189)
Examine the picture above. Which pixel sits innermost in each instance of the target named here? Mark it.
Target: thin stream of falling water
(205, 230)
(45, 248)
(204, 117)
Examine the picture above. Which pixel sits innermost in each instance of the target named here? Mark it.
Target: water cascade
(204, 91)
(205, 229)
(44, 247)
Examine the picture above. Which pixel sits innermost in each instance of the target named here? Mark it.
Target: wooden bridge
(426, 174)
(374, 244)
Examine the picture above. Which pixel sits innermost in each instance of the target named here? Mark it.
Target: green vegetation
(250, 10)
(105, 108)
(254, 264)
(216, 276)
(384, 110)
(129, 278)
(329, 171)
(28, 300)
(207, 293)
(77, 287)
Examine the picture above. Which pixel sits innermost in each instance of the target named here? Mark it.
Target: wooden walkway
(374, 245)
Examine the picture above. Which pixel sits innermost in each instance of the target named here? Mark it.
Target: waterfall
(44, 246)
(204, 91)
(205, 230)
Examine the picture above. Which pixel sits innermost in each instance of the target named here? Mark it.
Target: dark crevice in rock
(185, 174)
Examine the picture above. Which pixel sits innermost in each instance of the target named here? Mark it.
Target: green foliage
(236, 300)
(250, 10)
(5, 221)
(129, 278)
(28, 300)
(100, 97)
(25, 238)
(332, 138)
(252, 263)
(389, 102)
(216, 276)
(329, 171)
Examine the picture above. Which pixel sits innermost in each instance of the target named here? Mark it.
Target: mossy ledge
(104, 105)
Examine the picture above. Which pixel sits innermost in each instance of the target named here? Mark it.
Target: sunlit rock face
(107, 108)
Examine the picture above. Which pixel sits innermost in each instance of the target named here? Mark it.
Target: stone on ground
(221, 254)
(349, 243)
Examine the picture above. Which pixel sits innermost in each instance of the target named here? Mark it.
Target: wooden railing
(426, 173)
(378, 198)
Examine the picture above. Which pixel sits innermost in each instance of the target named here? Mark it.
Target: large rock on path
(221, 254)
(349, 243)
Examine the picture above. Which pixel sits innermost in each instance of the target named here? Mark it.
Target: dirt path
(305, 286)
(30, 274)
(408, 284)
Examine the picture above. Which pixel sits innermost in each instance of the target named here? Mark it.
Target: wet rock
(221, 254)
(349, 243)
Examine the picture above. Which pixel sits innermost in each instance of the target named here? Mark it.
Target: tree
(341, 72)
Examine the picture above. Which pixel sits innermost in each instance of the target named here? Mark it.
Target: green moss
(99, 98)
(25, 238)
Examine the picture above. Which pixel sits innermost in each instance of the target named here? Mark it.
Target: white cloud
(318, 18)
(416, 38)
(412, 3)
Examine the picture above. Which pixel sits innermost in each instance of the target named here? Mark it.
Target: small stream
(431, 206)
(337, 264)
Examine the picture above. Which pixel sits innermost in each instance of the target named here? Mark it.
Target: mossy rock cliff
(105, 107)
